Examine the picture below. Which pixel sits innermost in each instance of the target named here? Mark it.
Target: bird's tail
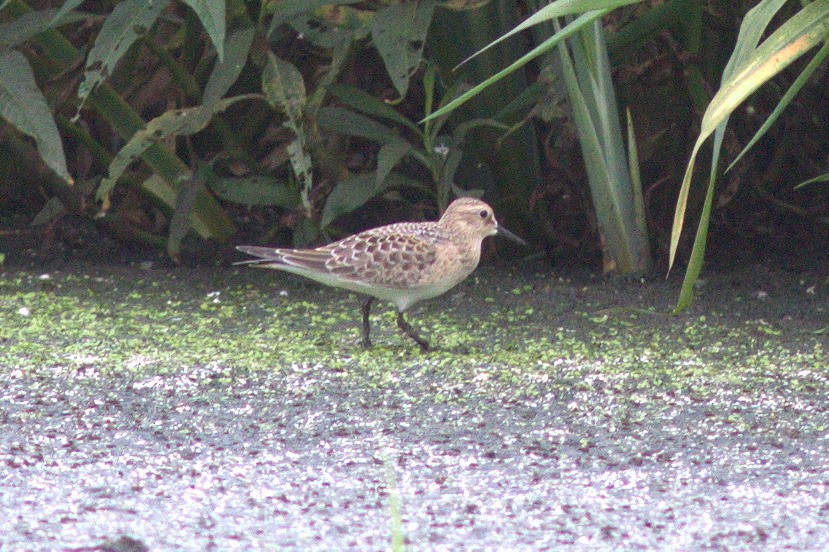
(267, 255)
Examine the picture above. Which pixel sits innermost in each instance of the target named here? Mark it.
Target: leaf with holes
(127, 22)
(399, 33)
(177, 122)
(285, 90)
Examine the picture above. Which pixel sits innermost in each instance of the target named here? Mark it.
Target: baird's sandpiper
(403, 263)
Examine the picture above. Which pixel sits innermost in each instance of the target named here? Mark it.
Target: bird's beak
(510, 236)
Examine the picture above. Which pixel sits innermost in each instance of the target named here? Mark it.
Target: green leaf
(165, 192)
(573, 27)
(399, 33)
(177, 122)
(29, 25)
(747, 70)
(350, 123)
(211, 13)
(389, 156)
(353, 192)
(227, 70)
(368, 104)
(815, 180)
(558, 9)
(23, 105)
(635, 174)
(51, 211)
(285, 90)
(128, 21)
(285, 11)
(181, 221)
(789, 95)
(255, 190)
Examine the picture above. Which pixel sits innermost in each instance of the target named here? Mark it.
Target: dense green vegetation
(160, 119)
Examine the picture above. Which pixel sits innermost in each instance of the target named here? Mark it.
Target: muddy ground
(232, 409)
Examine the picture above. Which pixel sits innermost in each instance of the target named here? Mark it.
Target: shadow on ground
(232, 409)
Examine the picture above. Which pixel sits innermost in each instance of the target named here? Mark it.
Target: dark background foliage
(306, 127)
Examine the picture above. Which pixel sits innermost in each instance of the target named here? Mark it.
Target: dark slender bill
(510, 236)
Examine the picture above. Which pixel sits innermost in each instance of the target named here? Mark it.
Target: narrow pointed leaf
(23, 105)
(368, 104)
(227, 70)
(29, 25)
(350, 123)
(389, 156)
(573, 27)
(788, 96)
(554, 10)
(747, 70)
(256, 190)
(211, 13)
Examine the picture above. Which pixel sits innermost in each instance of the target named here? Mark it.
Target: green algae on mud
(122, 321)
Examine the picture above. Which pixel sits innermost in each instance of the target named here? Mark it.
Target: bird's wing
(384, 258)
(396, 256)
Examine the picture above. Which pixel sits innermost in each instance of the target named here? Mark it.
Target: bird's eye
(484, 214)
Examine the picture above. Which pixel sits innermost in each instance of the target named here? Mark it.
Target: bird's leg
(408, 330)
(366, 325)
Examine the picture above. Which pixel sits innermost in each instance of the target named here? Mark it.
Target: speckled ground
(228, 409)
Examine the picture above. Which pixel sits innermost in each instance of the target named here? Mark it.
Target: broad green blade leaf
(129, 20)
(255, 190)
(22, 104)
(815, 180)
(227, 70)
(180, 222)
(51, 211)
(389, 156)
(558, 9)
(795, 37)
(635, 176)
(368, 104)
(30, 25)
(792, 91)
(178, 122)
(399, 34)
(350, 123)
(211, 13)
(285, 90)
(572, 28)
(286, 10)
(167, 194)
(686, 294)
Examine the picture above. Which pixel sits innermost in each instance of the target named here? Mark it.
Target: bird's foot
(409, 331)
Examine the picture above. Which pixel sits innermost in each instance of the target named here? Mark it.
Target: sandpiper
(403, 263)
